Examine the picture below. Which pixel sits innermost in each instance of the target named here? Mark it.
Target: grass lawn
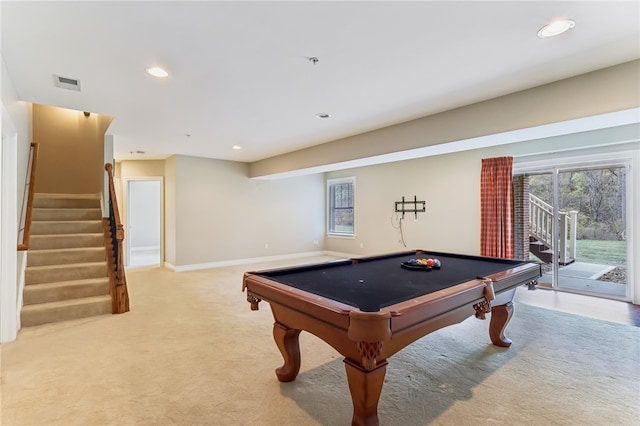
(602, 252)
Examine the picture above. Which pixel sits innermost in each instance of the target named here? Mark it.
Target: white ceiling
(239, 73)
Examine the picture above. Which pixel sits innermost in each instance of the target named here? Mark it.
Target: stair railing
(541, 220)
(541, 228)
(119, 294)
(24, 232)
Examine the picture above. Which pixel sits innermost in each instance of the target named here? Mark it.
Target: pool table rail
(368, 339)
(352, 332)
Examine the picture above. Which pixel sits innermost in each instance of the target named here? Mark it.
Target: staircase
(540, 250)
(67, 274)
(541, 243)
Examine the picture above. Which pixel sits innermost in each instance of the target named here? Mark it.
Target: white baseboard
(341, 255)
(235, 262)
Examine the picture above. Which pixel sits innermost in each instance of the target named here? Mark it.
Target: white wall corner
(8, 230)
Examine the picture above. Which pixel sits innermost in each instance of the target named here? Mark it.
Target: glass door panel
(592, 247)
(541, 221)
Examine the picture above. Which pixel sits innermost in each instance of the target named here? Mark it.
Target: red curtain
(496, 208)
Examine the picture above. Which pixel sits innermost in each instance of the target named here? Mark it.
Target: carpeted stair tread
(52, 267)
(65, 290)
(44, 242)
(44, 313)
(61, 214)
(67, 273)
(65, 201)
(53, 273)
(65, 256)
(56, 227)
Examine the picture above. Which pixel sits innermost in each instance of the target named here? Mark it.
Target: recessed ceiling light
(323, 115)
(157, 72)
(556, 28)
(236, 147)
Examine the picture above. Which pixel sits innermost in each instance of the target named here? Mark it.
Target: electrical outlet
(361, 245)
(266, 245)
(315, 242)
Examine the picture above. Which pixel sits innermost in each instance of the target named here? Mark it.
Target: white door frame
(9, 311)
(127, 220)
(628, 159)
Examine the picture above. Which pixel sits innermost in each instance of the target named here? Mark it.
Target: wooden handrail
(119, 294)
(24, 245)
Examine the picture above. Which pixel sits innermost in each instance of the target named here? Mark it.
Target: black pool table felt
(380, 282)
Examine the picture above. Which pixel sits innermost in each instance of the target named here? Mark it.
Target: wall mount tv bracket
(414, 206)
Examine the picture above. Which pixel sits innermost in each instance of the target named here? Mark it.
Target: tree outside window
(341, 202)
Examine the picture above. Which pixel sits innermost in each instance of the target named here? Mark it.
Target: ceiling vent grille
(66, 83)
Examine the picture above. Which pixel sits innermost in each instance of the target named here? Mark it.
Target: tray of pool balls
(421, 264)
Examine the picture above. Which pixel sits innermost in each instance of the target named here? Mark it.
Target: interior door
(144, 223)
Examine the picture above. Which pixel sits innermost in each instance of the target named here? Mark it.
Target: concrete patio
(581, 276)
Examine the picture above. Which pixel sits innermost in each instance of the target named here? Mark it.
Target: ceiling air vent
(67, 83)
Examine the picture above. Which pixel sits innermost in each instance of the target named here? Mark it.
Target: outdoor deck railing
(541, 228)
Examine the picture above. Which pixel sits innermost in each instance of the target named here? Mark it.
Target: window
(341, 202)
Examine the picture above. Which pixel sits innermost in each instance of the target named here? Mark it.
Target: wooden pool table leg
(365, 387)
(500, 317)
(288, 342)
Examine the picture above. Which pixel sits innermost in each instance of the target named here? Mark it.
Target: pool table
(369, 308)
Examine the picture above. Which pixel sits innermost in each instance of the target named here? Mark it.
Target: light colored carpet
(191, 352)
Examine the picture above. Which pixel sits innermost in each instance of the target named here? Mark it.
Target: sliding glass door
(591, 217)
(578, 227)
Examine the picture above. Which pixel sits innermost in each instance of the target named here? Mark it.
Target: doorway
(578, 228)
(144, 222)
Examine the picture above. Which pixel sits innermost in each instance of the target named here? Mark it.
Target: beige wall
(71, 159)
(170, 208)
(214, 213)
(142, 168)
(608, 90)
(223, 215)
(450, 184)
